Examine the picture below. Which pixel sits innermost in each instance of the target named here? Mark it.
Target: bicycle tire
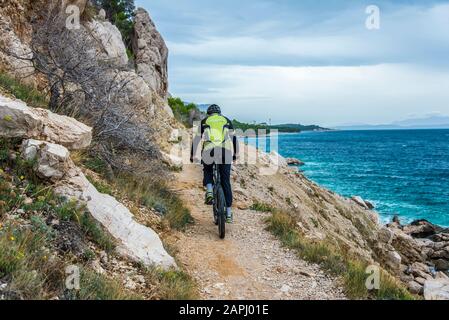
(221, 212)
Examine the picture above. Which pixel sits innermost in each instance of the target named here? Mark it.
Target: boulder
(442, 264)
(109, 38)
(414, 287)
(136, 241)
(135, 94)
(172, 160)
(294, 162)
(53, 160)
(408, 247)
(393, 261)
(440, 254)
(364, 204)
(151, 53)
(17, 120)
(436, 289)
(440, 237)
(421, 229)
(385, 235)
(419, 270)
(369, 204)
(441, 275)
(174, 136)
(396, 220)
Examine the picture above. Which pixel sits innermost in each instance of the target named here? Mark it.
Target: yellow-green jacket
(215, 132)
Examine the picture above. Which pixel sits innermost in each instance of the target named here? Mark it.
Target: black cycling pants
(225, 176)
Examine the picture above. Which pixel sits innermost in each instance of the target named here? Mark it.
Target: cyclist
(219, 146)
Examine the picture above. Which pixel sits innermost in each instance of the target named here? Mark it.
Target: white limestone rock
(436, 289)
(110, 40)
(17, 120)
(136, 241)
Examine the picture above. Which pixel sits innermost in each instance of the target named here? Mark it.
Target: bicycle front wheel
(221, 212)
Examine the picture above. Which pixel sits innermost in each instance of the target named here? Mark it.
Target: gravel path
(250, 263)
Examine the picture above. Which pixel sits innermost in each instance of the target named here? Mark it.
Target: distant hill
(301, 127)
(430, 122)
(289, 128)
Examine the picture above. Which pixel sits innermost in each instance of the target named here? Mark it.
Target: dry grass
(351, 270)
(30, 262)
(147, 191)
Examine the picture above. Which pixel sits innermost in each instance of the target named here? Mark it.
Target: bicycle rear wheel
(221, 212)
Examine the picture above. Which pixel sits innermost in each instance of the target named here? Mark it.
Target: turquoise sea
(404, 172)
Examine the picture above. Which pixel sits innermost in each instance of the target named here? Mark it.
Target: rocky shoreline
(417, 253)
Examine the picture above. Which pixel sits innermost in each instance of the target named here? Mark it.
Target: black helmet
(213, 109)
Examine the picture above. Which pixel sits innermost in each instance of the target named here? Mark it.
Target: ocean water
(404, 172)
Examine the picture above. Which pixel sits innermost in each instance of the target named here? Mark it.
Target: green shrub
(100, 186)
(95, 163)
(94, 286)
(26, 262)
(181, 110)
(262, 207)
(155, 195)
(96, 233)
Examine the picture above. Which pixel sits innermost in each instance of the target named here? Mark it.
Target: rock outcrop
(15, 37)
(424, 254)
(136, 241)
(436, 289)
(53, 162)
(111, 47)
(17, 120)
(294, 162)
(151, 53)
(363, 203)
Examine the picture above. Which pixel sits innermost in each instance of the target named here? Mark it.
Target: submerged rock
(294, 162)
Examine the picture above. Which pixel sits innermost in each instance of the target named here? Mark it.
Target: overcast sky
(312, 62)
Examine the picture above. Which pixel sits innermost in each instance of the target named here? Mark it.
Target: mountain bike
(219, 203)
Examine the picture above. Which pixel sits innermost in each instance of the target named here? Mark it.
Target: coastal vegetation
(183, 112)
(351, 270)
(41, 233)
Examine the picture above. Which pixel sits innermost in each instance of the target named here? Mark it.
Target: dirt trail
(250, 263)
